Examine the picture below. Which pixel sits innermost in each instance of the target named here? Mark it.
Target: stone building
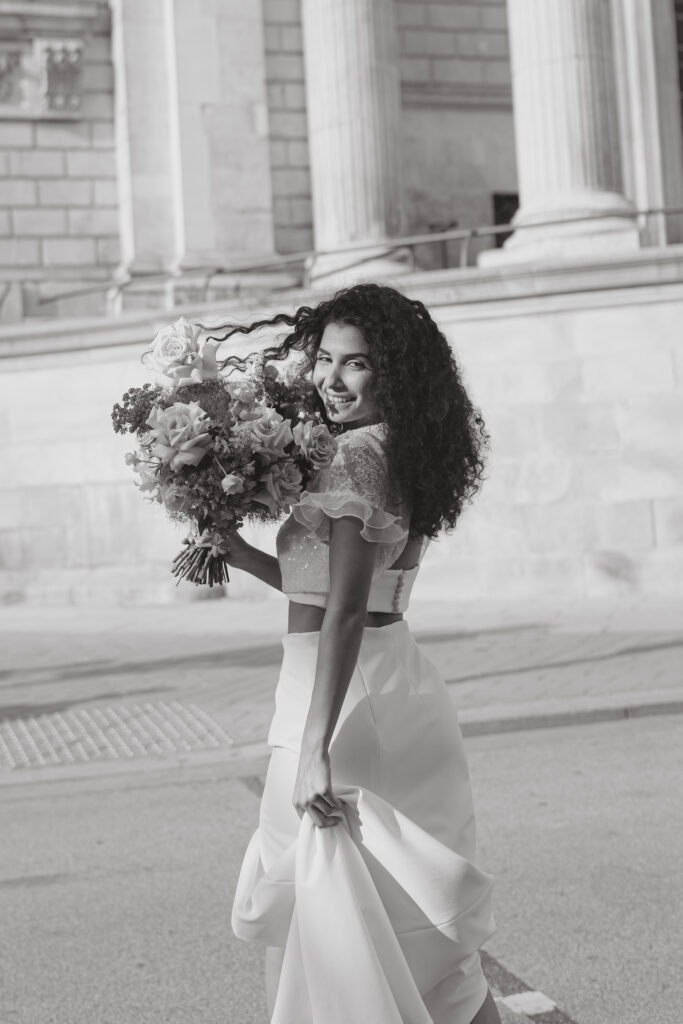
(225, 158)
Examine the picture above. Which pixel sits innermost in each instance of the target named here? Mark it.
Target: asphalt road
(115, 891)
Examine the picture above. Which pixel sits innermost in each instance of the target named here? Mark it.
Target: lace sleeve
(355, 484)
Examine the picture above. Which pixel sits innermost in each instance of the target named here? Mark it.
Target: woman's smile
(341, 399)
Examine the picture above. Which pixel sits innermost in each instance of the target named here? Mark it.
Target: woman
(360, 879)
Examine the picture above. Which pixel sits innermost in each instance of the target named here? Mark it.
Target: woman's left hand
(313, 790)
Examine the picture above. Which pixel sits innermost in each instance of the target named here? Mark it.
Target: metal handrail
(465, 236)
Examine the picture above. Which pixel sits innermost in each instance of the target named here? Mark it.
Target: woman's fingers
(321, 813)
(330, 815)
(319, 819)
(330, 800)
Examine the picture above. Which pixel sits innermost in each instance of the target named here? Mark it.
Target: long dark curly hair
(436, 437)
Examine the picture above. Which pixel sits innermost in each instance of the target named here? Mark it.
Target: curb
(548, 714)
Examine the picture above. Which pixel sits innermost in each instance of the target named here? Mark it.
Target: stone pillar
(219, 131)
(650, 113)
(192, 136)
(567, 132)
(143, 149)
(354, 105)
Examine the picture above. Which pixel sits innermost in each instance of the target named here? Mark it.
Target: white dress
(381, 917)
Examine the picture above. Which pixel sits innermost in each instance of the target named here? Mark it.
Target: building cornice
(20, 19)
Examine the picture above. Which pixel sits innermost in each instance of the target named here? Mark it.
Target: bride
(360, 879)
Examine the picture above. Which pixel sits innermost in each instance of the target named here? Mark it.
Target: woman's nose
(332, 377)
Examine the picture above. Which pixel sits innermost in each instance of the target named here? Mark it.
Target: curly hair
(436, 437)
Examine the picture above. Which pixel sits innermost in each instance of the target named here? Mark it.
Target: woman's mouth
(336, 400)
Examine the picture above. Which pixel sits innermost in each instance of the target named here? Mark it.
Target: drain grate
(107, 733)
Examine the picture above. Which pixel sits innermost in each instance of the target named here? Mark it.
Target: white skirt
(381, 917)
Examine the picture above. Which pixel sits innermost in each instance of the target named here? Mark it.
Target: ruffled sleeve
(355, 484)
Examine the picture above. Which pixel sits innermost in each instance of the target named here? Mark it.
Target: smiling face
(344, 376)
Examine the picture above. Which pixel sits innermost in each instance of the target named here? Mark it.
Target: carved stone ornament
(10, 75)
(41, 79)
(61, 63)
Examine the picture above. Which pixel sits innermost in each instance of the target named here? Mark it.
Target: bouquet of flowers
(216, 448)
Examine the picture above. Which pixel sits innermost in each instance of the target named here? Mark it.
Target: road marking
(516, 994)
(530, 1003)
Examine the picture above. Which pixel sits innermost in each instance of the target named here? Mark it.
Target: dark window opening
(505, 206)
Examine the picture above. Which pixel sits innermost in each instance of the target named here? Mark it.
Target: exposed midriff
(308, 618)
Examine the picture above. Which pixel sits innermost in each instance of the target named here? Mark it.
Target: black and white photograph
(341, 511)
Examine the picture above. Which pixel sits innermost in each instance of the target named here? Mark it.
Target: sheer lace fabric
(355, 484)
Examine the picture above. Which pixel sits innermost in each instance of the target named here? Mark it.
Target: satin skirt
(381, 917)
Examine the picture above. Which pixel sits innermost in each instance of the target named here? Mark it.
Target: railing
(306, 259)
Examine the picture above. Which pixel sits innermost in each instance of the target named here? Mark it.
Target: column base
(339, 270)
(569, 231)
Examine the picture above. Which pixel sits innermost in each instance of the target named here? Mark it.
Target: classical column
(566, 131)
(354, 106)
(650, 113)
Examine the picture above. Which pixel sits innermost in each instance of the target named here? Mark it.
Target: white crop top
(356, 483)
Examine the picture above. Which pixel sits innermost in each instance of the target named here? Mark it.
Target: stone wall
(58, 202)
(584, 401)
(458, 136)
(458, 46)
(582, 393)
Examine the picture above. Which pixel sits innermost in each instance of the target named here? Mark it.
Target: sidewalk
(101, 689)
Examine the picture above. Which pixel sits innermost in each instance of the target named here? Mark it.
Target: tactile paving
(107, 733)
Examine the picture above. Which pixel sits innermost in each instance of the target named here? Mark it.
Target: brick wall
(454, 43)
(58, 201)
(289, 159)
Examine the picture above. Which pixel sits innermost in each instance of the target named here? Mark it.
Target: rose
(280, 486)
(179, 352)
(232, 483)
(316, 443)
(175, 497)
(149, 481)
(180, 434)
(245, 405)
(270, 432)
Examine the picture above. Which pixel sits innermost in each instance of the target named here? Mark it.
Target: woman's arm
(249, 559)
(352, 561)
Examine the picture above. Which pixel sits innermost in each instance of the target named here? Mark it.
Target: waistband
(390, 592)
